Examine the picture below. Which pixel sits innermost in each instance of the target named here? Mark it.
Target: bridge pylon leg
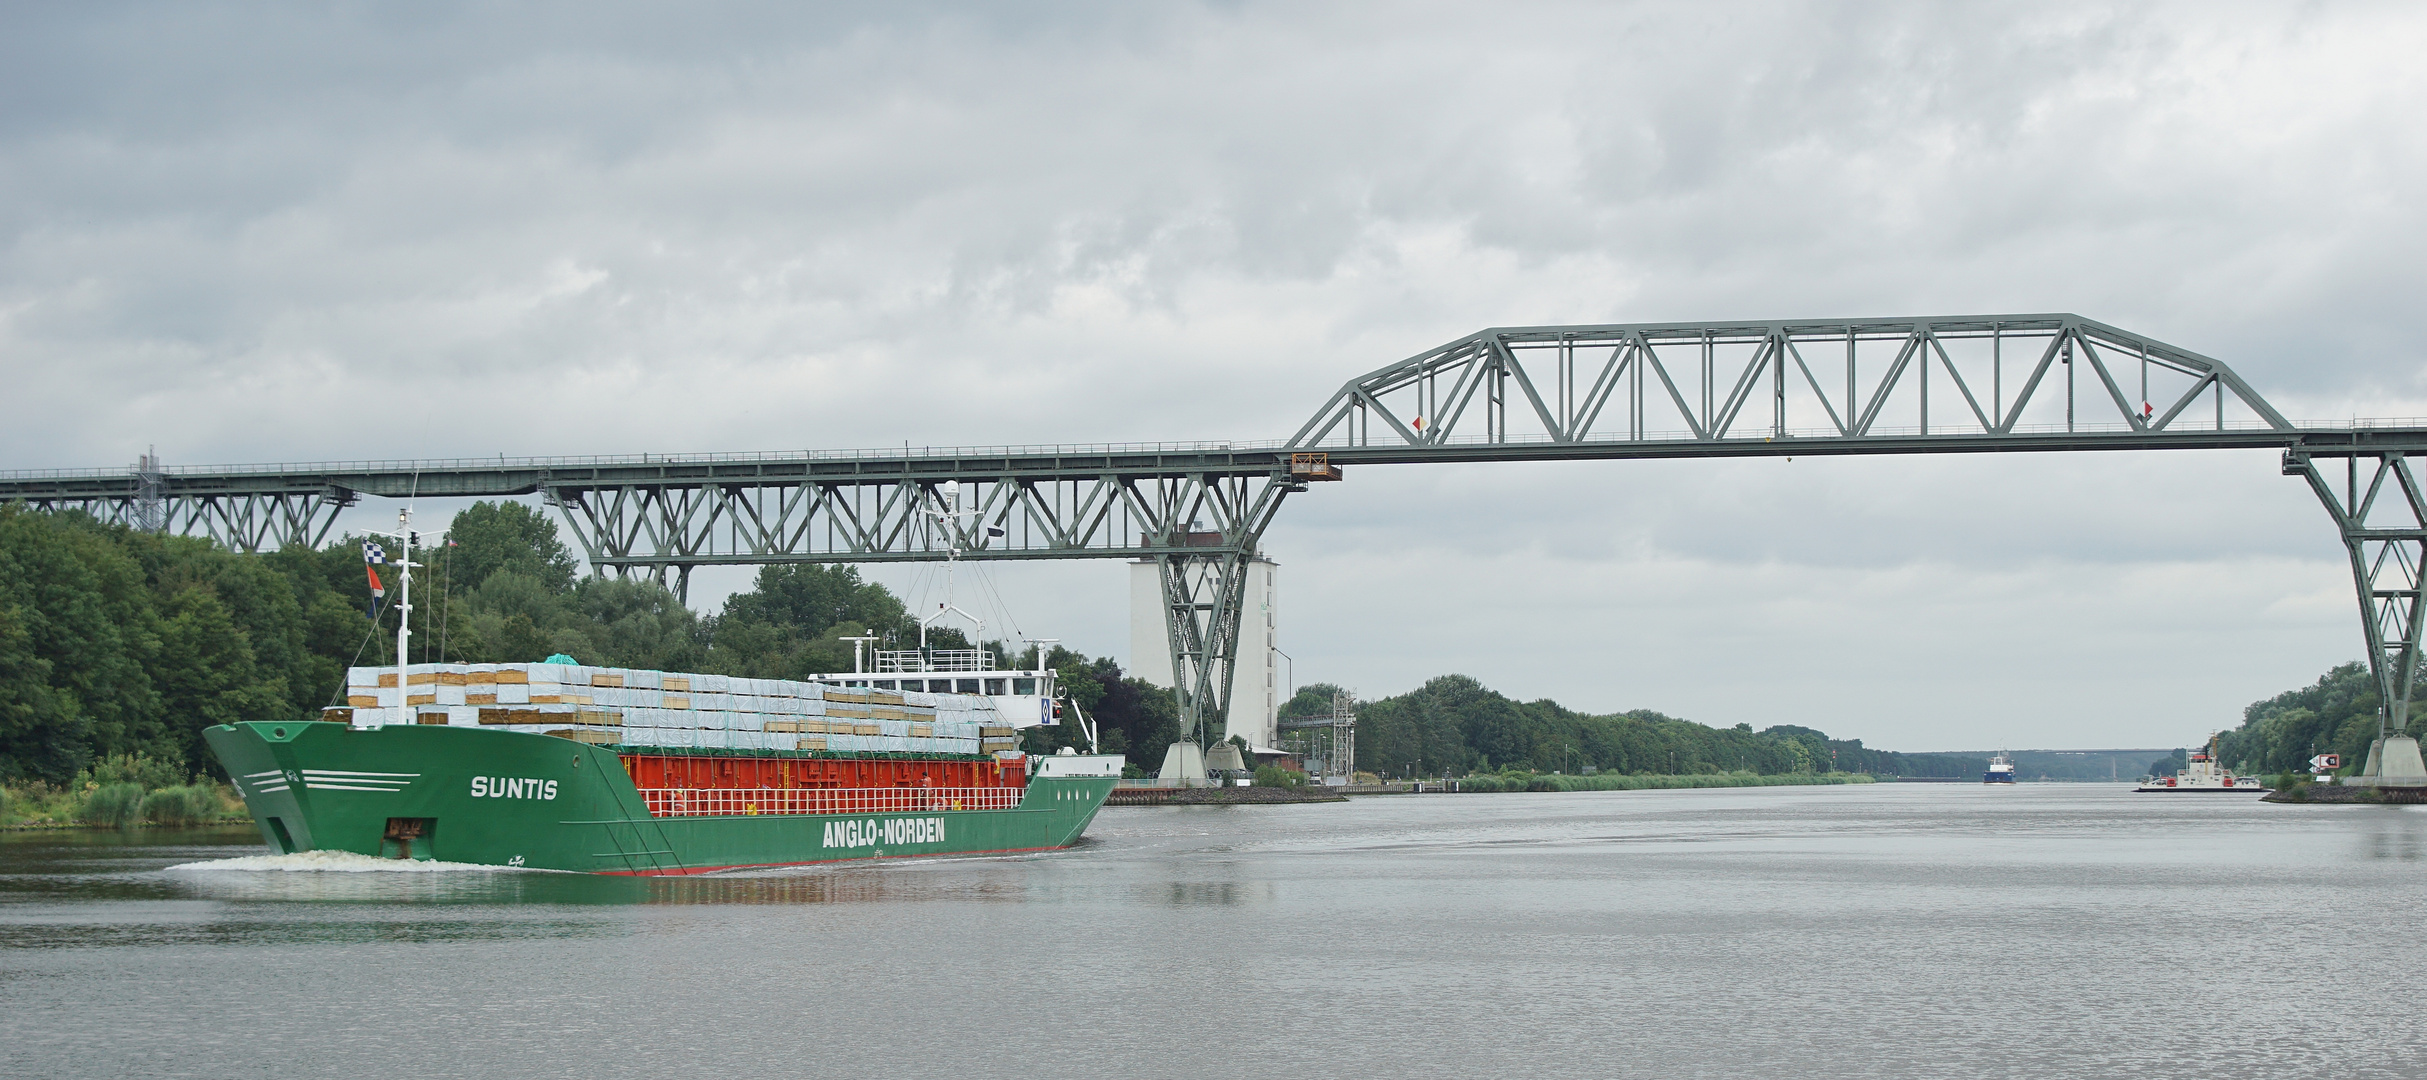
(2384, 530)
(1204, 589)
(1201, 598)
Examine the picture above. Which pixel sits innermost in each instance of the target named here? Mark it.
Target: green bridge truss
(1971, 384)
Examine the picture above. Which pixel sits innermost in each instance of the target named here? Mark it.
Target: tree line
(1455, 726)
(120, 644)
(2335, 715)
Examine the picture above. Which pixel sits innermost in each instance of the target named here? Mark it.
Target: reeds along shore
(121, 792)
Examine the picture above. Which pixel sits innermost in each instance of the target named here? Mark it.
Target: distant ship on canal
(2001, 771)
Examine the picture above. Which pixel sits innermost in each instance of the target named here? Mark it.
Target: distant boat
(2203, 773)
(2001, 771)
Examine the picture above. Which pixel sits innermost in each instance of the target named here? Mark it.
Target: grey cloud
(245, 232)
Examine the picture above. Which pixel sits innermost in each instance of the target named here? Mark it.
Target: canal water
(1888, 931)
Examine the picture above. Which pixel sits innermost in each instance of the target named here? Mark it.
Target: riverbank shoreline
(1516, 782)
(47, 826)
(1221, 796)
(2341, 795)
(1474, 785)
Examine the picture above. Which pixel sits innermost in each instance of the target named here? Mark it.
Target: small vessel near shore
(2203, 772)
(561, 766)
(2001, 771)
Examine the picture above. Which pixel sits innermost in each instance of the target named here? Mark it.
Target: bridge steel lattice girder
(885, 520)
(1427, 399)
(1199, 529)
(249, 522)
(1641, 391)
(2388, 559)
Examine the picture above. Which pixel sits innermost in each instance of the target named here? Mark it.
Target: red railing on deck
(706, 802)
(676, 772)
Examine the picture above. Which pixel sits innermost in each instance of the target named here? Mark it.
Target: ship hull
(514, 799)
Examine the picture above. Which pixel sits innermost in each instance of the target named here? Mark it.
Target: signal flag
(372, 556)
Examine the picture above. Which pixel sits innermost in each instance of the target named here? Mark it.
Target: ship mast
(950, 518)
(404, 614)
(404, 610)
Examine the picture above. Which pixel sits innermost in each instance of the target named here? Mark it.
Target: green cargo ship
(516, 799)
(558, 766)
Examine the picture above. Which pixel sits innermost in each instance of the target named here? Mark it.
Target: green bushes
(32, 802)
(188, 805)
(1274, 776)
(115, 805)
(120, 792)
(140, 770)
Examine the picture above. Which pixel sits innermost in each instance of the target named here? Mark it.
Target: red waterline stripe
(815, 862)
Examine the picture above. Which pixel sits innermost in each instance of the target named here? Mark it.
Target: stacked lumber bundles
(635, 707)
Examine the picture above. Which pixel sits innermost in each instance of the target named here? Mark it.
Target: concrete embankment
(2337, 793)
(1218, 796)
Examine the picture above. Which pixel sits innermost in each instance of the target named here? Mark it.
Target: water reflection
(2398, 834)
(841, 885)
(446, 887)
(282, 879)
(1216, 893)
(1813, 932)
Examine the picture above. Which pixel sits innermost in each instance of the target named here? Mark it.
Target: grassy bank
(124, 806)
(1650, 782)
(121, 793)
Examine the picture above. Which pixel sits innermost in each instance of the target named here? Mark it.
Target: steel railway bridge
(1973, 384)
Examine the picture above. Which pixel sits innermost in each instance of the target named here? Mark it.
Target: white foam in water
(343, 862)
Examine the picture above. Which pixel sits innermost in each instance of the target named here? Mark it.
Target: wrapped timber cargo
(654, 708)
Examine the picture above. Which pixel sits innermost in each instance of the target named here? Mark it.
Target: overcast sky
(345, 231)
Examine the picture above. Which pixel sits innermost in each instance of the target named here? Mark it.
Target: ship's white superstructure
(2203, 772)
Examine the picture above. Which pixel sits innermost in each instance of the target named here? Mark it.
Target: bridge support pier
(1201, 599)
(1204, 578)
(2383, 523)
